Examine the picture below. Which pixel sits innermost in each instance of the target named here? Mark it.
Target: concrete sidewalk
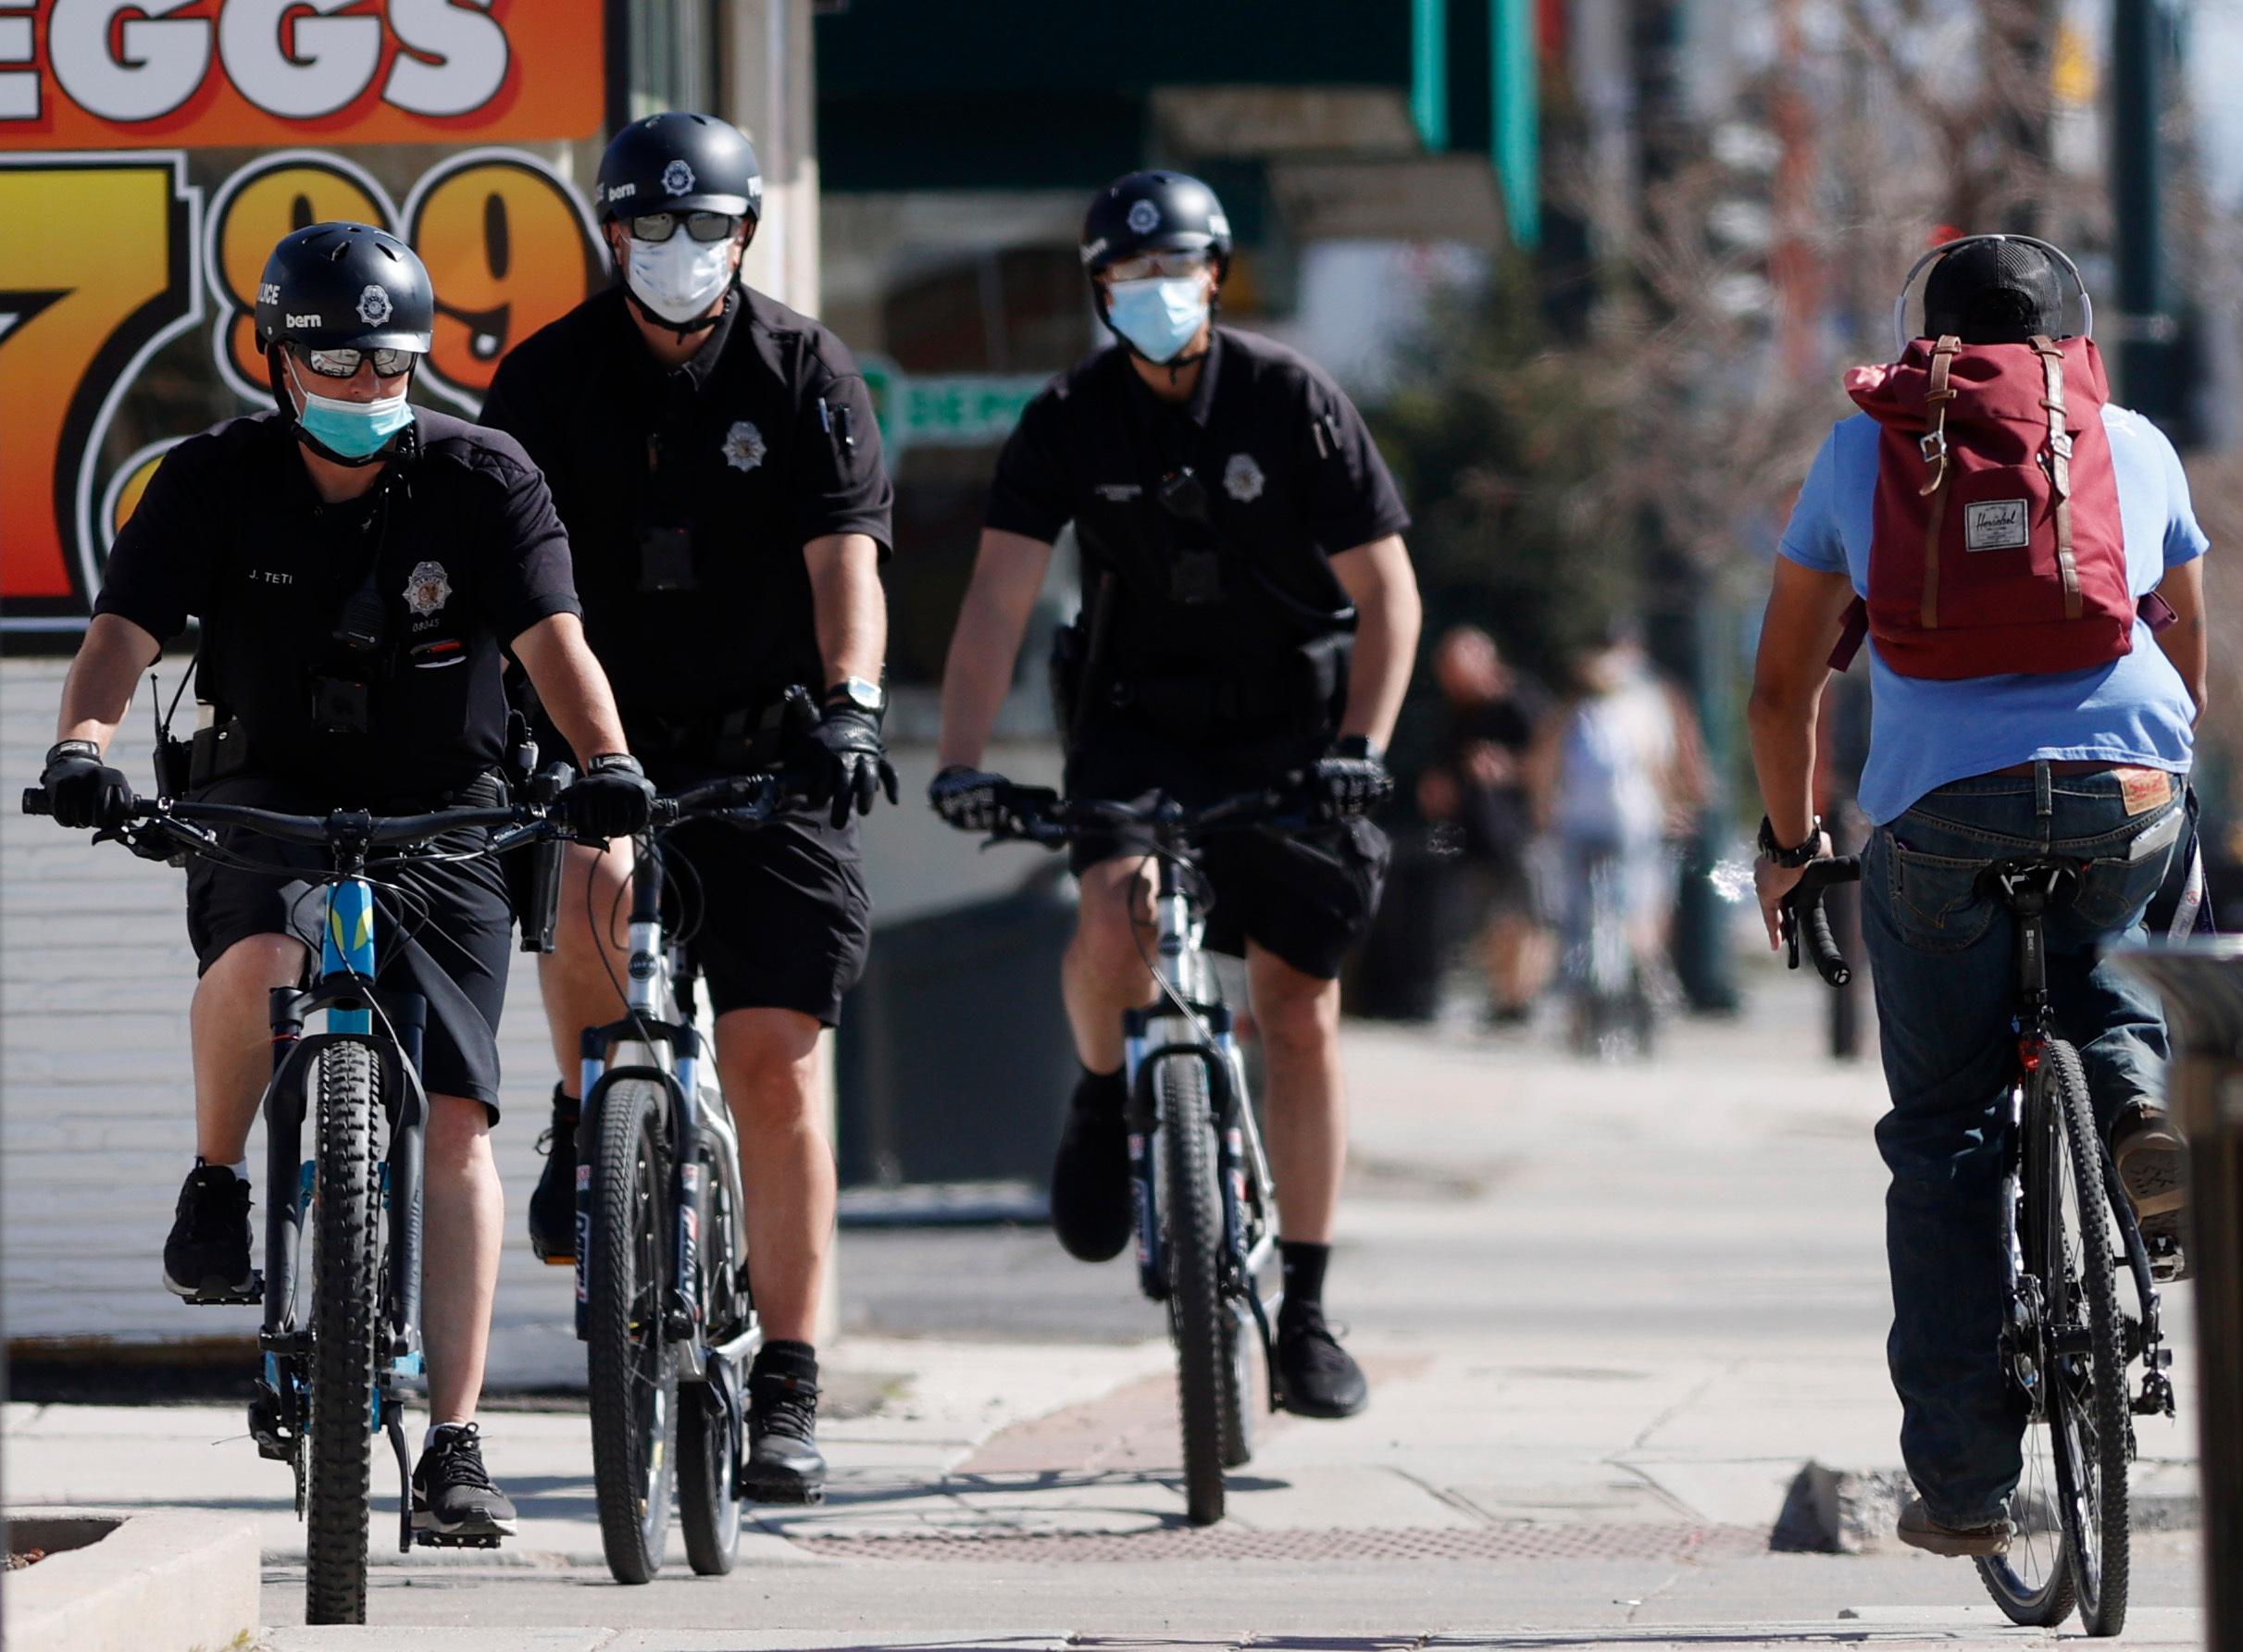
(1608, 1312)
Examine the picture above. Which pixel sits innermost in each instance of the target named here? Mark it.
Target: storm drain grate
(1517, 1540)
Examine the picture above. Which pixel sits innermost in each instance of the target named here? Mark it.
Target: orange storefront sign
(88, 75)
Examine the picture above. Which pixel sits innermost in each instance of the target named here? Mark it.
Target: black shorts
(1307, 898)
(776, 917)
(442, 929)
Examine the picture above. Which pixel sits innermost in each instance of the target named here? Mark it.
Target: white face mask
(679, 279)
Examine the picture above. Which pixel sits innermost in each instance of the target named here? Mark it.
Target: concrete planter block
(155, 1581)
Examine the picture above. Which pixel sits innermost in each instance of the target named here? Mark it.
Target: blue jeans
(1943, 959)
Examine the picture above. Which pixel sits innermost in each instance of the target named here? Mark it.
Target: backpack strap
(2059, 463)
(1933, 446)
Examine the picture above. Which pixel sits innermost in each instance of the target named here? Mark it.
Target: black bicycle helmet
(346, 287)
(680, 162)
(1151, 212)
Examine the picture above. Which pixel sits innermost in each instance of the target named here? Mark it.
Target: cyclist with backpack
(715, 457)
(1249, 617)
(359, 567)
(2022, 557)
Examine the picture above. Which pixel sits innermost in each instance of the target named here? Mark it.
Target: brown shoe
(2152, 1164)
(1919, 1530)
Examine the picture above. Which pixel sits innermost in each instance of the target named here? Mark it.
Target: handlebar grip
(1822, 946)
(35, 800)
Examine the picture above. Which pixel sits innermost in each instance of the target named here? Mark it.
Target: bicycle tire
(1240, 1335)
(708, 1480)
(2032, 1584)
(1193, 1211)
(345, 1232)
(2092, 1445)
(632, 1371)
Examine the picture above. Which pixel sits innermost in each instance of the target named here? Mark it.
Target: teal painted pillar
(1517, 118)
(1429, 73)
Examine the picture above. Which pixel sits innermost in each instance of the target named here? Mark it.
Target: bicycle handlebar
(750, 798)
(1802, 918)
(333, 830)
(1038, 814)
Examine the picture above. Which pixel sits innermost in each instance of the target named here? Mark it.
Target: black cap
(680, 162)
(346, 287)
(1154, 212)
(1995, 291)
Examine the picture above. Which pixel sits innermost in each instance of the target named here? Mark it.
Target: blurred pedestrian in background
(1477, 786)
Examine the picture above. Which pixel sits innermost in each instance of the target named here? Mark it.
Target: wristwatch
(868, 698)
(1791, 859)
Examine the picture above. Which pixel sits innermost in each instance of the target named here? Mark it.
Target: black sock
(797, 1361)
(1103, 1091)
(1305, 1265)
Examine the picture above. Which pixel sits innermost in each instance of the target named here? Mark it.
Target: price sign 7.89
(104, 258)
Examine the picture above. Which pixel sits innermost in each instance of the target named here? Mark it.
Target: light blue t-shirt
(1924, 733)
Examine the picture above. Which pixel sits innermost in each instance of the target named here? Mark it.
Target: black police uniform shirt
(1235, 567)
(689, 492)
(467, 554)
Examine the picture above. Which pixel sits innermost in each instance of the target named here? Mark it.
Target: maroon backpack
(1996, 543)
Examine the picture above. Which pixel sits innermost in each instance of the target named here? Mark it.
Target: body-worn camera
(665, 559)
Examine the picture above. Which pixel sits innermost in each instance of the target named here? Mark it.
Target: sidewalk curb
(157, 1580)
(1853, 1511)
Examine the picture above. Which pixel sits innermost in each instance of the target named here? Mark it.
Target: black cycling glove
(966, 798)
(612, 799)
(81, 790)
(849, 764)
(1350, 779)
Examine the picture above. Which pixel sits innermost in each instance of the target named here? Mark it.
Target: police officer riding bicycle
(1250, 615)
(715, 457)
(359, 567)
(2024, 711)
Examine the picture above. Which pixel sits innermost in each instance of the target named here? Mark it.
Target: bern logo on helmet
(427, 588)
(373, 305)
(621, 192)
(1144, 218)
(744, 446)
(303, 321)
(1243, 478)
(677, 179)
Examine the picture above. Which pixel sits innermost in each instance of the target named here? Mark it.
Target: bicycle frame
(1163, 1032)
(657, 1043)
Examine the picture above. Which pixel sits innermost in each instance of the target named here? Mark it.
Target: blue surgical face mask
(1159, 315)
(355, 430)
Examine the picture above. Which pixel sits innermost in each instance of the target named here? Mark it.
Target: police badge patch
(677, 179)
(373, 305)
(744, 446)
(427, 588)
(1144, 218)
(1243, 478)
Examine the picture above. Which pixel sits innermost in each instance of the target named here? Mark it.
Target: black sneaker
(783, 1463)
(1317, 1376)
(452, 1495)
(1091, 1209)
(207, 1254)
(553, 1208)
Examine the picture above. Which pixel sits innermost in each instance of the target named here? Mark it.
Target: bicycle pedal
(557, 1262)
(250, 1296)
(425, 1539)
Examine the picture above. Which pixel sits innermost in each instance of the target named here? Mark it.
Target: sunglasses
(1181, 261)
(701, 226)
(343, 364)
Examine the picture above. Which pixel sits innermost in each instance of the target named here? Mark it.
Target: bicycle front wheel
(1193, 1210)
(632, 1370)
(345, 1233)
(2088, 1383)
(708, 1441)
